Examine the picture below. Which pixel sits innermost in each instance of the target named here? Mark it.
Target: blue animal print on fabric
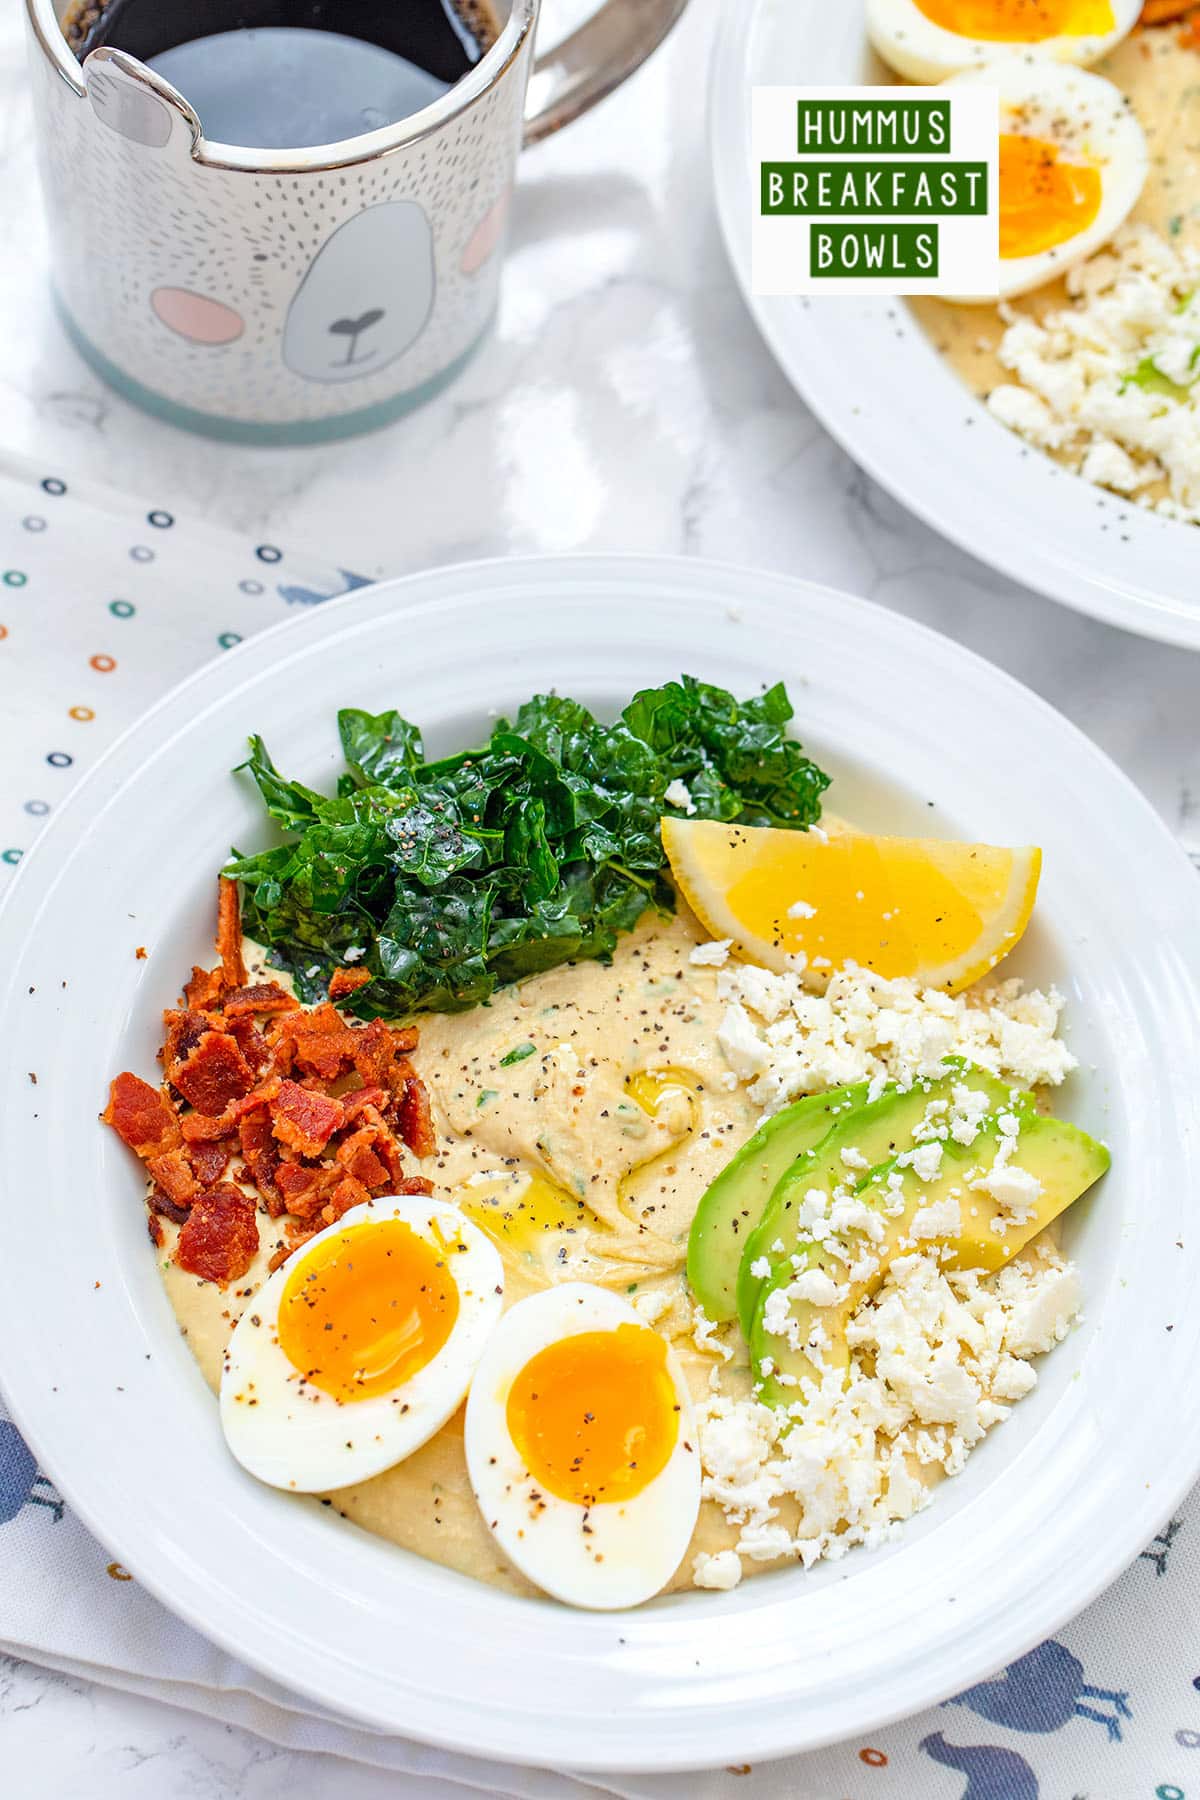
(1043, 1692)
(295, 595)
(19, 1478)
(992, 1773)
(1160, 1547)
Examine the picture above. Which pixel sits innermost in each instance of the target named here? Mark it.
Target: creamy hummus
(582, 1115)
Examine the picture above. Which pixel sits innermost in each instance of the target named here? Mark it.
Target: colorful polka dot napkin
(105, 603)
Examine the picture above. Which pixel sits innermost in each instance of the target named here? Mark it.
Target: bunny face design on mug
(366, 297)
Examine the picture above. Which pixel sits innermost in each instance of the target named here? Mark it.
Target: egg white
(631, 1547)
(1091, 121)
(916, 48)
(293, 1435)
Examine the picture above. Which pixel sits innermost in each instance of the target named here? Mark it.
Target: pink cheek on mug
(196, 317)
(486, 235)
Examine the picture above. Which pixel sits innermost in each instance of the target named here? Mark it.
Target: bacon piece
(260, 1153)
(361, 1100)
(219, 1240)
(141, 1116)
(415, 1118)
(304, 1187)
(203, 992)
(1162, 12)
(158, 1202)
(346, 1194)
(197, 1128)
(252, 1044)
(229, 934)
(305, 1120)
(208, 1161)
(318, 1042)
(174, 1174)
(184, 1031)
(259, 997)
(414, 1184)
(347, 981)
(213, 1073)
(154, 1227)
(379, 1051)
(357, 1155)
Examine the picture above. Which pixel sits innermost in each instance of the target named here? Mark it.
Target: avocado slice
(1064, 1162)
(871, 1136)
(735, 1200)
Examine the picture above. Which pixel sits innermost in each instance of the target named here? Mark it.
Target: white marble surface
(626, 404)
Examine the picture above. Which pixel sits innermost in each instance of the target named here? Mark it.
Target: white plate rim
(710, 1740)
(1131, 568)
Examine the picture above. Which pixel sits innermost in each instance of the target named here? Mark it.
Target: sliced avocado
(734, 1202)
(871, 1136)
(1063, 1159)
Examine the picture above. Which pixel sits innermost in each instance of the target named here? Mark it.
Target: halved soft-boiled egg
(361, 1346)
(581, 1447)
(926, 40)
(1073, 163)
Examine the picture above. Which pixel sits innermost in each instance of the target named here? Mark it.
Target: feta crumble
(783, 1040)
(1111, 382)
(935, 1362)
(678, 793)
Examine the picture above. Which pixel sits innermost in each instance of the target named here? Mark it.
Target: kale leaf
(449, 878)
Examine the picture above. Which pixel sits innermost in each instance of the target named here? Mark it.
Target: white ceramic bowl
(877, 384)
(920, 735)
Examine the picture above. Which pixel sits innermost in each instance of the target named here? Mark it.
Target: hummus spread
(582, 1114)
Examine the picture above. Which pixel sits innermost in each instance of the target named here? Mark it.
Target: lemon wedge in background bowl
(939, 912)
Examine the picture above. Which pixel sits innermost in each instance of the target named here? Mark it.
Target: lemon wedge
(939, 912)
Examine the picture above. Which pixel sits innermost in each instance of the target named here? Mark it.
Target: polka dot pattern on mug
(167, 592)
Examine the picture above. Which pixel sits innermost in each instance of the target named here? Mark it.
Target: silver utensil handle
(572, 76)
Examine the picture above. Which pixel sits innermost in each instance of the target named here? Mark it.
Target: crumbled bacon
(416, 1118)
(175, 1176)
(203, 992)
(208, 1161)
(213, 1073)
(305, 1120)
(251, 1042)
(229, 934)
(259, 997)
(1163, 12)
(309, 1111)
(347, 981)
(141, 1115)
(219, 1238)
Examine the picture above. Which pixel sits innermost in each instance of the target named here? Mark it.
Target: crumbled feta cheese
(705, 1338)
(816, 1287)
(925, 1160)
(784, 1040)
(1110, 381)
(721, 1571)
(948, 1352)
(800, 909)
(679, 794)
(853, 1159)
(760, 1268)
(943, 1219)
(711, 956)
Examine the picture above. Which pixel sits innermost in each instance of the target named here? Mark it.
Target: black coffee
(285, 74)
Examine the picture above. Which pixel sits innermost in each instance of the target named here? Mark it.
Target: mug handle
(571, 77)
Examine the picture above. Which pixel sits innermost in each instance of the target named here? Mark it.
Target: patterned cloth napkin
(104, 604)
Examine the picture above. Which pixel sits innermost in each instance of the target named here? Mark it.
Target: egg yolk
(1020, 21)
(1043, 201)
(595, 1416)
(367, 1308)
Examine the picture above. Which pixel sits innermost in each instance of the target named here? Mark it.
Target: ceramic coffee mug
(226, 289)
